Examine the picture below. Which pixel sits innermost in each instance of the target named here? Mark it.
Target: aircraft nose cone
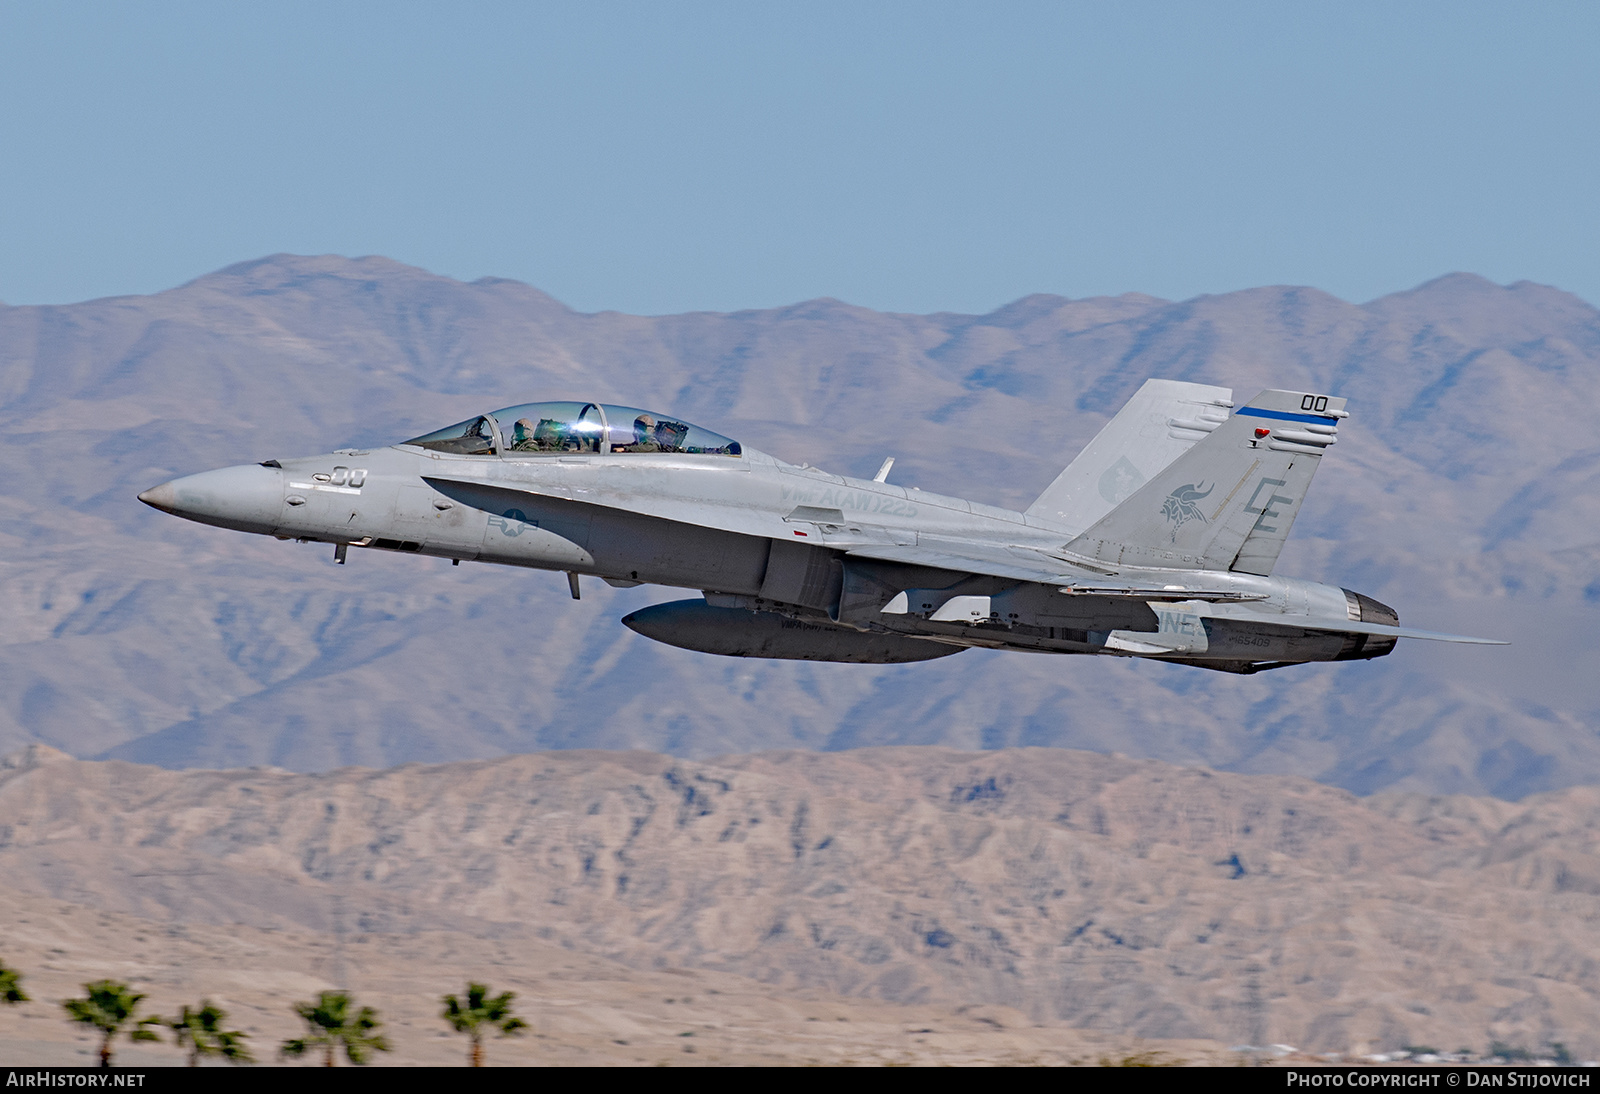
(162, 497)
(248, 497)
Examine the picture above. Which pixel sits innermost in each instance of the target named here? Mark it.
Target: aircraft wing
(972, 558)
(1022, 564)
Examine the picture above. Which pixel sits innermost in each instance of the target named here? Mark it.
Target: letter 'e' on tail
(1227, 503)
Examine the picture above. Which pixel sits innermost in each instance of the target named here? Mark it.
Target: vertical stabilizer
(1229, 502)
(1163, 420)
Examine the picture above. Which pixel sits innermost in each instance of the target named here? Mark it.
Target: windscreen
(473, 437)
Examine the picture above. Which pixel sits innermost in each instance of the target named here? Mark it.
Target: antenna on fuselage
(883, 472)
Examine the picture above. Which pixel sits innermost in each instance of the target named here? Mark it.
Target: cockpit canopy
(549, 429)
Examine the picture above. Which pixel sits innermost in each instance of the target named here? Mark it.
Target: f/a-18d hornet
(1157, 541)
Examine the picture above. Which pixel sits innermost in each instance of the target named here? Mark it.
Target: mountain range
(1464, 490)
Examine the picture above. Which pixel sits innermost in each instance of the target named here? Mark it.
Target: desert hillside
(1116, 897)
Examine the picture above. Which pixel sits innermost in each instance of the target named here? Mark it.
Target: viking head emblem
(1183, 505)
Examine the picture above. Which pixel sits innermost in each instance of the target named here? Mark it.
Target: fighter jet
(1158, 541)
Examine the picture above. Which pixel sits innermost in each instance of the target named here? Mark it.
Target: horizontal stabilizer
(1348, 626)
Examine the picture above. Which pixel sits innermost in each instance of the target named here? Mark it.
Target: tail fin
(1227, 503)
(1161, 422)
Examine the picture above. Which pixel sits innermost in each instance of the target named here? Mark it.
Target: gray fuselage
(796, 544)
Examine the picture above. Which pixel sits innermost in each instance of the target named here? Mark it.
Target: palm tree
(108, 1007)
(11, 986)
(481, 1012)
(329, 1023)
(202, 1033)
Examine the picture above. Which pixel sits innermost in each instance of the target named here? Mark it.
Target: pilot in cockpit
(644, 435)
(522, 436)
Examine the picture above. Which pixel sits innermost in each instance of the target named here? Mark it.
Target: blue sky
(913, 157)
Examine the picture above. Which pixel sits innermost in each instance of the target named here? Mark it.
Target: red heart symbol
(1262, 432)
